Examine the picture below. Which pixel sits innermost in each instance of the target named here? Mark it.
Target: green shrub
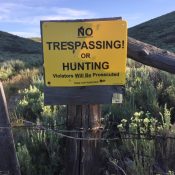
(25, 159)
(10, 68)
(30, 106)
(39, 152)
(151, 92)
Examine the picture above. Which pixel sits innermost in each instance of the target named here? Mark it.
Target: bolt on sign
(84, 52)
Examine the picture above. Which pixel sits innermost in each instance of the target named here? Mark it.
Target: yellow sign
(84, 53)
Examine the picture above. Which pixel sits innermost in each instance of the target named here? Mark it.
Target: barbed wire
(58, 132)
(123, 134)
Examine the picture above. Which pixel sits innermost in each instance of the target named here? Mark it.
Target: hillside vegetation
(158, 31)
(37, 39)
(15, 44)
(18, 59)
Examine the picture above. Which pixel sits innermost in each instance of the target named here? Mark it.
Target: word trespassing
(74, 45)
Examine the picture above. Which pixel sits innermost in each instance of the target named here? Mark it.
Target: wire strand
(123, 135)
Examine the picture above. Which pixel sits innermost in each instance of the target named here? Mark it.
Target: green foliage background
(144, 112)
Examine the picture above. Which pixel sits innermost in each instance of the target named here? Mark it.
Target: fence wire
(25, 124)
(63, 133)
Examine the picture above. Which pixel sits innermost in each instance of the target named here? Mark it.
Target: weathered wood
(151, 55)
(82, 157)
(90, 150)
(8, 162)
(81, 95)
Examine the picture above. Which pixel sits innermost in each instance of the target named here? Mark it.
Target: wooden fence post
(8, 160)
(82, 156)
(151, 55)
